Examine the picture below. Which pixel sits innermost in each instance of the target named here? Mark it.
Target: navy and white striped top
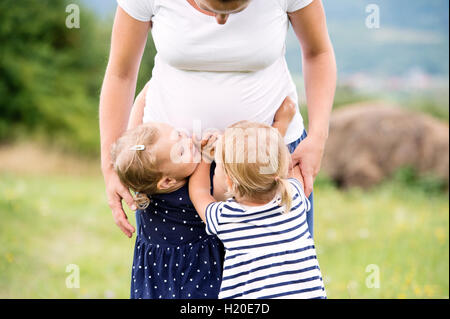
(269, 253)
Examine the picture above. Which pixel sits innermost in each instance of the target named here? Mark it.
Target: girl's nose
(222, 18)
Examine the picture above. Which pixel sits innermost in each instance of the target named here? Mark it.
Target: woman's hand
(115, 192)
(308, 155)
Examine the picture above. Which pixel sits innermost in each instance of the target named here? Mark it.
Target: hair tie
(277, 179)
(137, 148)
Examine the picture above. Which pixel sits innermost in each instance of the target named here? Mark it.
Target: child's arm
(199, 189)
(137, 111)
(284, 115)
(295, 173)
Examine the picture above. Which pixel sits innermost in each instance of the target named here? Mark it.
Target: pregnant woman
(217, 62)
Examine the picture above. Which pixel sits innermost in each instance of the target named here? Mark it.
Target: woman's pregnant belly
(195, 101)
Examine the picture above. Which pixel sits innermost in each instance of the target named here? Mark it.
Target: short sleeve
(299, 189)
(294, 5)
(141, 10)
(212, 217)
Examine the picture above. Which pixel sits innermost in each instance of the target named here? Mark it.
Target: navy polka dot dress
(174, 258)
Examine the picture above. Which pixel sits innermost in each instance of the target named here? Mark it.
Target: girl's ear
(166, 183)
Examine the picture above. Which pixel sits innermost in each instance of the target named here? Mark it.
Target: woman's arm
(284, 116)
(319, 69)
(127, 46)
(137, 111)
(199, 189)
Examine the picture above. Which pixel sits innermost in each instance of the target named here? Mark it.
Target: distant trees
(50, 75)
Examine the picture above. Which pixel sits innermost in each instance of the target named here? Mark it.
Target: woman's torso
(209, 75)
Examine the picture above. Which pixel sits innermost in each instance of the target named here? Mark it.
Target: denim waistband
(292, 146)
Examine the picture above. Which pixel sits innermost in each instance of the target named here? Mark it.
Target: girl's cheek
(218, 173)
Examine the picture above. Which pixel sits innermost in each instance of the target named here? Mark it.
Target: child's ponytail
(286, 195)
(142, 201)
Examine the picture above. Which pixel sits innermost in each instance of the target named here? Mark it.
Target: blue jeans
(309, 214)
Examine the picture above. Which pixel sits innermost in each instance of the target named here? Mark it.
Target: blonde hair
(138, 168)
(255, 158)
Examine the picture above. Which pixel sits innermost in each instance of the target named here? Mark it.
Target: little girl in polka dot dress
(174, 257)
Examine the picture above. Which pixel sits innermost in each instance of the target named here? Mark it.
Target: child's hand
(207, 145)
(286, 111)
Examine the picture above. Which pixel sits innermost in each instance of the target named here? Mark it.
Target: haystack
(368, 142)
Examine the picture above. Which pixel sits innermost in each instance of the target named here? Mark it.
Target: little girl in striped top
(269, 252)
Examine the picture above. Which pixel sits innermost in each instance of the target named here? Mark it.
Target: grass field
(52, 220)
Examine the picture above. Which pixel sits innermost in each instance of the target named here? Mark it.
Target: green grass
(49, 222)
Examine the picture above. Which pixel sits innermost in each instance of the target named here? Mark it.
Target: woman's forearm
(320, 85)
(319, 66)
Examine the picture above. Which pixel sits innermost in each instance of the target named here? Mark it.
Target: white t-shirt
(212, 75)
